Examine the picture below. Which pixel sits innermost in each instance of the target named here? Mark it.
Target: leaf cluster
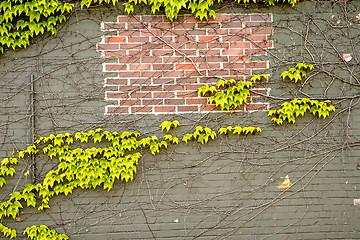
(201, 9)
(291, 110)
(167, 125)
(297, 73)
(43, 232)
(6, 169)
(239, 130)
(229, 94)
(202, 135)
(21, 20)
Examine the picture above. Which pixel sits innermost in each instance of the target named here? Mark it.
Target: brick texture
(160, 64)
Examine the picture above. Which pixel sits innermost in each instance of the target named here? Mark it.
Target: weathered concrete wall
(224, 189)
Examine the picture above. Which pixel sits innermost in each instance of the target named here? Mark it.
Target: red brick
(239, 18)
(184, 94)
(116, 81)
(153, 18)
(173, 74)
(148, 46)
(194, 73)
(162, 25)
(209, 25)
(139, 53)
(240, 45)
(192, 86)
(152, 33)
(151, 74)
(116, 95)
(256, 107)
(186, 80)
(193, 101)
(232, 24)
(220, 18)
(240, 31)
(211, 52)
(107, 46)
(196, 45)
(223, 31)
(184, 39)
(140, 94)
(129, 59)
(235, 73)
(208, 38)
(127, 33)
(233, 38)
(265, 44)
(168, 59)
(129, 74)
(163, 94)
(138, 39)
(206, 65)
(117, 109)
(131, 26)
(208, 108)
(145, 109)
(212, 45)
(151, 88)
(127, 88)
(126, 18)
(114, 53)
(256, 65)
(151, 60)
(163, 66)
(233, 52)
(152, 102)
(157, 101)
(115, 39)
(239, 59)
(255, 52)
(174, 101)
(255, 24)
(173, 87)
(130, 102)
(114, 67)
(185, 66)
(130, 46)
(183, 25)
(163, 52)
(140, 81)
(161, 80)
(235, 66)
(262, 30)
(196, 32)
(140, 66)
(164, 109)
(187, 108)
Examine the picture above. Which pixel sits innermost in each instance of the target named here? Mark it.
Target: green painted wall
(226, 189)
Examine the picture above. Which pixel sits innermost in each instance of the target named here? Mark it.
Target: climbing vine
(23, 20)
(87, 168)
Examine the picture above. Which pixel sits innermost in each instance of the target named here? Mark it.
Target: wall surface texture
(109, 70)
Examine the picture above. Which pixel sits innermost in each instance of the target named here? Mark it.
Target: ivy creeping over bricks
(23, 20)
(160, 65)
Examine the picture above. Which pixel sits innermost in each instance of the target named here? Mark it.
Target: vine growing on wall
(87, 168)
(23, 20)
(101, 166)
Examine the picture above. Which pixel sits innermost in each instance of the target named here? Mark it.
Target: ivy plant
(291, 110)
(297, 73)
(229, 94)
(23, 20)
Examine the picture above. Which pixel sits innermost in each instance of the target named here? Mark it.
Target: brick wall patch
(160, 64)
